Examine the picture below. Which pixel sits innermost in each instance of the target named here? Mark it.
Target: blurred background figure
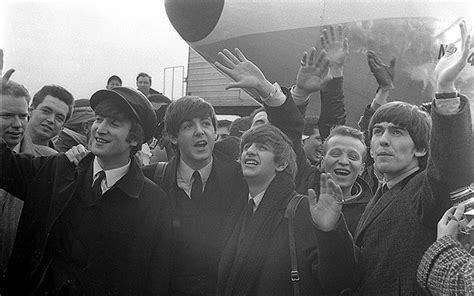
(161, 148)
(223, 127)
(312, 142)
(76, 130)
(144, 84)
(239, 126)
(113, 81)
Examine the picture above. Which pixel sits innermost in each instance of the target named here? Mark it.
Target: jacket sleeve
(289, 120)
(337, 260)
(446, 268)
(19, 169)
(450, 163)
(333, 112)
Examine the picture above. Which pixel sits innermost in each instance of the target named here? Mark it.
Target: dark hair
(310, 124)
(224, 123)
(410, 117)
(187, 108)
(346, 131)
(55, 91)
(114, 77)
(239, 126)
(281, 145)
(143, 74)
(16, 90)
(255, 112)
(110, 108)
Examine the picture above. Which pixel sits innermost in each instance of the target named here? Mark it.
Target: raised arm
(451, 162)
(9, 72)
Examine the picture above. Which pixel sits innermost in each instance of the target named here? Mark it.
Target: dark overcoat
(135, 260)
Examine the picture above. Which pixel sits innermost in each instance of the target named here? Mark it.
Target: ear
(362, 168)
(85, 126)
(281, 167)
(173, 140)
(420, 153)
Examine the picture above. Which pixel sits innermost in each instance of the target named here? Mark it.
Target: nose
(199, 130)
(343, 159)
(251, 150)
(16, 121)
(384, 139)
(101, 128)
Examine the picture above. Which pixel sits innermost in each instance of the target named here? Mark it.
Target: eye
(262, 147)
(206, 123)
(186, 125)
(354, 156)
(335, 153)
(377, 131)
(99, 119)
(45, 111)
(60, 118)
(23, 116)
(397, 132)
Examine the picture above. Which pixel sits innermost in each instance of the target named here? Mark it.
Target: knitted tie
(196, 188)
(96, 186)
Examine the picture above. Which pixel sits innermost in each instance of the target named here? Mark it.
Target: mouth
(251, 162)
(384, 154)
(99, 140)
(342, 172)
(15, 134)
(47, 127)
(200, 144)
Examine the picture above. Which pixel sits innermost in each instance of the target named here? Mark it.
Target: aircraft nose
(194, 19)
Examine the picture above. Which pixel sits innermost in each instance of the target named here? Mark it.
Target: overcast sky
(79, 44)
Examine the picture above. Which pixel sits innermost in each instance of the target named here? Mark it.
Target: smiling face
(195, 141)
(47, 119)
(312, 146)
(109, 141)
(258, 163)
(344, 160)
(13, 119)
(393, 150)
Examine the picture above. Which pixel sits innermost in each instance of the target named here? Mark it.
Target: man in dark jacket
(256, 260)
(206, 191)
(100, 228)
(399, 222)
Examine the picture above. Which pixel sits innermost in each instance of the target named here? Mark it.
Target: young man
(96, 229)
(206, 189)
(256, 260)
(399, 223)
(312, 141)
(50, 109)
(14, 99)
(144, 84)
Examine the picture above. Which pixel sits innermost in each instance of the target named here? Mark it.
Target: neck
(197, 165)
(256, 186)
(112, 163)
(35, 138)
(346, 191)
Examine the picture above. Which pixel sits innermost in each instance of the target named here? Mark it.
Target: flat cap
(135, 101)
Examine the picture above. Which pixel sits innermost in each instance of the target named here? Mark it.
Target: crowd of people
(131, 193)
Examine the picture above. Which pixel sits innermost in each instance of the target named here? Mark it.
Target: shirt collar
(111, 176)
(257, 199)
(186, 172)
(394, 181)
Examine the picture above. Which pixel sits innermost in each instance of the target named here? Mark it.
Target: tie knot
(99, 176)
(97, 184)
(196, 176)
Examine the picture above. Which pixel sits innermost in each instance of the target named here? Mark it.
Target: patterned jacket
(447, 269)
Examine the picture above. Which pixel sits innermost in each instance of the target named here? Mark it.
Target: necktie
(196, 188)
(246, 221)
(383, 188)
(96, 186)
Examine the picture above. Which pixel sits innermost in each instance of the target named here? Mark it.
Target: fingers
(336, 190)
(223, 68)
(225, 59)
(1, 61)
(332, 34)
(462, 26)
(7, 75)
(312, 55)
(345, 45)
(339, 35)
(323, 183)
(233, 85)
(312, 197)
(303, 59)
(392, 62)
(76, 153)
(231, 56)
(447, 214)
(240, 55)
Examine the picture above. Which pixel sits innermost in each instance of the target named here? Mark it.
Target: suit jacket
(220, 206)
(396, 229)
(47, 186)
(262, 266)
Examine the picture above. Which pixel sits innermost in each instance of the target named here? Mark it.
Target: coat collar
(131, 184)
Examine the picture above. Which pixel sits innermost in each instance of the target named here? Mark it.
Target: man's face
(222, 133)
(260, 118)
(48, 118)
(195, 141)
(143, 84)
(343, 160)
(109, 140)
(113, 83)
(258, 163)
(312, 147)
(13, 119)
(393, 150)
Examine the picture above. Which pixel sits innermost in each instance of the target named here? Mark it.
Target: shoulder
(40, 150)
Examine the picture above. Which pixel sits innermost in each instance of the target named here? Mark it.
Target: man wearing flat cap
(98, 228)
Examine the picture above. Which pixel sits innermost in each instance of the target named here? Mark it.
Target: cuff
(276, 97)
